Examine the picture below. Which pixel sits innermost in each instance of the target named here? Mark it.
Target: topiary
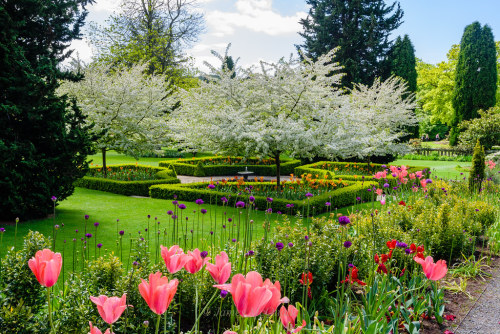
(199, 171)
(476, 175)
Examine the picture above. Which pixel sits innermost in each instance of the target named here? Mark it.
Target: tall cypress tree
(476, 75)
(361, 29)
(43, 142)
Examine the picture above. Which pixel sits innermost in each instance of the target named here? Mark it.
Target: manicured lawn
(443, 169)
(114, 158)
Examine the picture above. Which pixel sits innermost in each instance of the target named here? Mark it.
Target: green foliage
(476, 176)
(44, 142)
(476, 74)
(363, 42)
(210, 166)
(435, 156)
(128, 188)
(402, 63)
(19, 283)
(486, 129)
(19, 319)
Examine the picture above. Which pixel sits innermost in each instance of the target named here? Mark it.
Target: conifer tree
(360, 28)
(476, 75)
(43, 142)
(477, 171)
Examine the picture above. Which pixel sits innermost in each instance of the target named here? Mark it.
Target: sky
(268, 29)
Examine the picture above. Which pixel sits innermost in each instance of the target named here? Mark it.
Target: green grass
(114, 158)
(443, 169)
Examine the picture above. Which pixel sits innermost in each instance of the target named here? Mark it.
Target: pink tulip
(221, 270)
(230, 332)
(46, 265)
(379, 192)
(288, 317)
(95, 330)
(423, 183)
(174, 258)
(159, 292)
(252, 296)
(110, 308)
(382, 201)
(433, 271)
(195, 262)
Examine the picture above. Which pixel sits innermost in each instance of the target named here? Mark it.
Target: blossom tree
(294, 107)
(126, 108)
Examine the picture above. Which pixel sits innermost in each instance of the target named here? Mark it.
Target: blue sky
(268, 29)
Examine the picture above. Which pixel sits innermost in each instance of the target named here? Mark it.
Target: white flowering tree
(292, 106)
(126, 107)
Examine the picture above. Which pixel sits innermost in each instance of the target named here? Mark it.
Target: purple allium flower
(401, 244)
(121, 232)
(211, 186)
(145, 324)
(191, 231)
(56, 227)
(289, 205)
(170, 212)
(350, 265)
(174, 202)
(223, 294)
(344, 220)
(278, 212)
(306, 237)
(328, 204)
(383, 166)
(86, 217)
(358, 199)
(270, 210)
(211, 232)
(74, 239)
(233, 240)
(369, 189)
(99, 245)
(477, 210)
(149, 216)
(240, 204)
(53, 198)
(270, 199)
(230, 219)
(279, 246)
(203, 211)
(88, 235)
(223, 226)
(309, 243)
(251, 253)
(251, 199)
(395, 188)
(290, 244)
(428, 181)
(96, 224)
(174, 217)
(386, 185)
(199, 201)
(142, 239)
(204, 254)
(407, 251)
(2, 230)
(347, 244)
(223, 199)
(135, 263)
(309, 195)
(182, 206)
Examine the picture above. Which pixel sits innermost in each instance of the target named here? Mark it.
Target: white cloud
(82, 47)
(106, 5)
(254, 15)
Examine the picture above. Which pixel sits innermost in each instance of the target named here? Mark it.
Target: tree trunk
(103, 150)
(278, 171)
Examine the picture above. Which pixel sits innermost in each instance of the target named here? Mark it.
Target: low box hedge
(192, 191)
(128, 188)
(205, 167)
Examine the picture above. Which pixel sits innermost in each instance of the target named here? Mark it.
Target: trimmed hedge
(128, 188)
(192, 191)
(198, 167)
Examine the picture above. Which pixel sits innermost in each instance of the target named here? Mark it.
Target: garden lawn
(113, 158)
(132, 213)
(442, 169)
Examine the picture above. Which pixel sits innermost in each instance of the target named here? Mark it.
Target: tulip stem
(207, 305)
(52, 329)
(158, 318)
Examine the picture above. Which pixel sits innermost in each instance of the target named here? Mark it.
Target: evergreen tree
(476, 75)
(43, 142)
(361, 29)
(401, 62)
(476, 175)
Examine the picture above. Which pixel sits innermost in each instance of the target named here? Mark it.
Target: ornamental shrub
(476, 175)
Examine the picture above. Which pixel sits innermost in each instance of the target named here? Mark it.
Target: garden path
(193, 179)
(484, 317)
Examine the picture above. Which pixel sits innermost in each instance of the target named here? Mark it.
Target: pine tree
(43, 142)
(361, 29)
(476, 175)
(476, 75)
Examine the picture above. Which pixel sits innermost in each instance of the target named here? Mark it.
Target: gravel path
(484, 317)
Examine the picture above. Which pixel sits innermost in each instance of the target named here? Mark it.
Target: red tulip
(221, 270)
(95, 330)
(433, 271)
(288, 317)
(195, 262)
(159, 292)
(252, 296)
(46, 265)
(110, 308)
(391, 244)
(174, 258)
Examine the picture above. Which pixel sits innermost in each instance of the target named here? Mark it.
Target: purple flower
(88, 235)
(149, 216)
(401, 245)
(369, 189)
(223, 199)
(290, 244)
(251, 199)
(96, 224)
(279, 246)
(240, 204)
(408, 251)
(223, 294)
(53, 198)
(328, 204)
(86, 217)
(2, 230)
(347, 244)
(350, 265)
(358, 199)
(309, 195)
(170, 212)
(135, 263)
(251, 253)
(204, 254)
(223, 226)
(174, 202)
(306, 237)
(230, 219)
(386, 185)
(278, 212)
(182, 206)
(270, 210)
(477, 210)
(211, 232)
(121, 232)
(234, 240)
(56, 227)
(289, 205)
(99, 245)
(344, 220)
(211, 186)
(203, 211)
(174, 217)
(383, 166)
(428, 181)
(74, 239)
(199, 201)
(270, 199)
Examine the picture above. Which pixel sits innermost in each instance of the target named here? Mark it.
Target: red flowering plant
(306, 280)
(352, 277)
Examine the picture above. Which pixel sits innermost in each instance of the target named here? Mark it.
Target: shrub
(220, 166)
(128, 188)
(476, 176)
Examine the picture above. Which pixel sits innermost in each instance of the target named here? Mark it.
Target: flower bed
(345, 194)
(141, 178)
(220, 166)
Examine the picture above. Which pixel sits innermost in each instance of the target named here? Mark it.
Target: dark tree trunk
(103, 150)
